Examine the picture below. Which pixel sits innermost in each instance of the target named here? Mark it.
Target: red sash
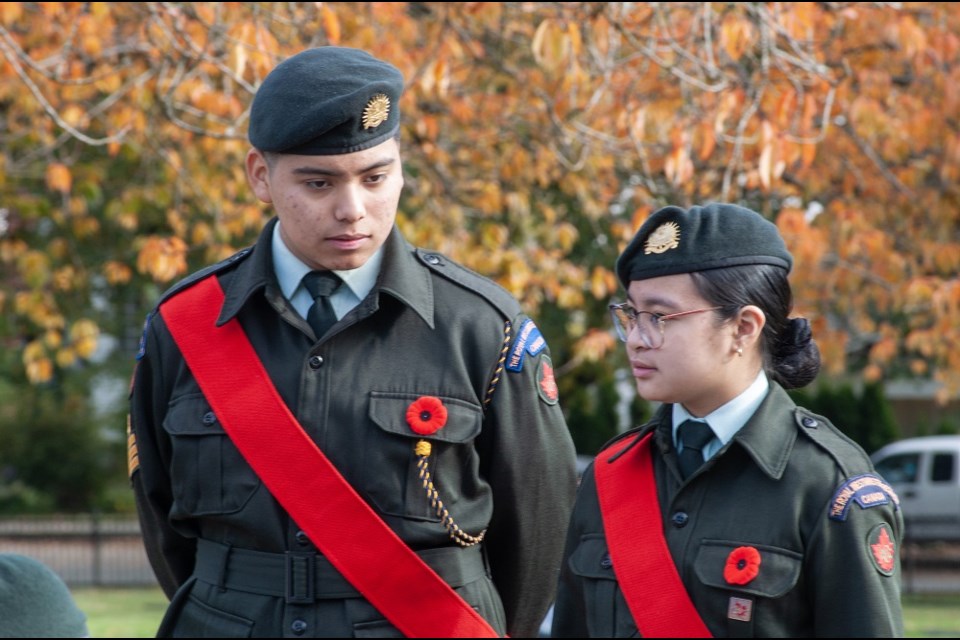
(642, 562)
(342, 525)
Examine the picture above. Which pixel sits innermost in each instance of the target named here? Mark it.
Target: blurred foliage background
(536, 138)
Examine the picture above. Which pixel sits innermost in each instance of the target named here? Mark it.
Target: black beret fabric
(675, 240)
(314, 103)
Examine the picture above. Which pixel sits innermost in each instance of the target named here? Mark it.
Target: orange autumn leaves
(537, 137)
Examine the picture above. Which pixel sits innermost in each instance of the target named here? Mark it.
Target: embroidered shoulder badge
(867, 490)
(882, 548)
(142, 348)
(529, 340)
(546, 382)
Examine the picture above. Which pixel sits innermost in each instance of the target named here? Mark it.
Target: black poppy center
(425, 416)
(741, 564)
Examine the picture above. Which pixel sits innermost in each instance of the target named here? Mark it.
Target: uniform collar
(401, 275)
(405, 278)
(769, 435)
(726, 420)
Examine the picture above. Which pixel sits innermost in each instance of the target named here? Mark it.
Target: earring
(740, 351)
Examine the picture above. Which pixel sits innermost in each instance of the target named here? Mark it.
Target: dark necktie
(694, 436)
(321, 284)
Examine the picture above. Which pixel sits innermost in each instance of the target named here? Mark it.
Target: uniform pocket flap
(591, 559)
(389, 412)
(191, 415)
(777, 573)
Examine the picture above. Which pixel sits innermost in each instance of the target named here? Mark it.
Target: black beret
(326, 101)
(35, 602)
(674, 240)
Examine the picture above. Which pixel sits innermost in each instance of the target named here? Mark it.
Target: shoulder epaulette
(639, 432)
(471, 280)
(183, 285)
(850, 457)
(197, 276)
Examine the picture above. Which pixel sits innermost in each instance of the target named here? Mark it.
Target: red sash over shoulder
(647, 574)
(342, 525)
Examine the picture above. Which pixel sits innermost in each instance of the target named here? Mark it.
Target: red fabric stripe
(641, 559)
(350, 534)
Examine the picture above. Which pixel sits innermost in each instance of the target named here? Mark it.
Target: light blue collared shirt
(726, 420)
(290, 271)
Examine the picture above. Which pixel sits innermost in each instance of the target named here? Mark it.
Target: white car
(925, 473)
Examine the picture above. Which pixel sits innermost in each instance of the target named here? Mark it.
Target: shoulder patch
(882, 549)
(142, 348)
(528, 340)
(468, 279)
(546, 382)
(867, 491)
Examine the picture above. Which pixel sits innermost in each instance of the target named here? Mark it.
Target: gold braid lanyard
(507, 332)
(457, 534)
(424, 448)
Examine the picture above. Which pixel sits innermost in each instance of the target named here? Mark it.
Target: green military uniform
(781, 485)
(222, 547)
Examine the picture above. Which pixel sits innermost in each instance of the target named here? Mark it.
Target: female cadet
(733, 512)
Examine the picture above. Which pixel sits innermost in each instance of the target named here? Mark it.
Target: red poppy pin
(743, 565)
(426, 415)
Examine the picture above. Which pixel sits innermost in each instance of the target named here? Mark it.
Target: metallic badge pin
(740, 609)
(376, 111)
(664, 237)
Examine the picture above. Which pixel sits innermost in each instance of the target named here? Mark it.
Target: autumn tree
(536, 138)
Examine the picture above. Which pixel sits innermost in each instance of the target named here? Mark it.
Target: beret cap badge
(664, 238)
(376, 112)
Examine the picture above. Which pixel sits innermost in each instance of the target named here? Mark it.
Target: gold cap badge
(664, 237)
(376, 111)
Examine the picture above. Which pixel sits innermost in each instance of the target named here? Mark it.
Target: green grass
(136, 613)
(931, 615)
(132, 612)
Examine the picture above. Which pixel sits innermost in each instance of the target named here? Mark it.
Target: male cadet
(334, 432)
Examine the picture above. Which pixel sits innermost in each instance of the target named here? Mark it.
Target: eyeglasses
(650, 325)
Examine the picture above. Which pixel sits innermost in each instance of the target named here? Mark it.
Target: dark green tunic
(504, 462)
(773, 487)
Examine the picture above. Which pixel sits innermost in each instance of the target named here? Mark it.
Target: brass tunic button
(679, 519)
(315, 362)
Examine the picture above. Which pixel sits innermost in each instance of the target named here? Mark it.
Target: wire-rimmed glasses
(649, 324)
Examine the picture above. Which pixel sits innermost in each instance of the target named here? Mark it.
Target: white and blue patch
(867, 490)
(529, 340)
(142, 348)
